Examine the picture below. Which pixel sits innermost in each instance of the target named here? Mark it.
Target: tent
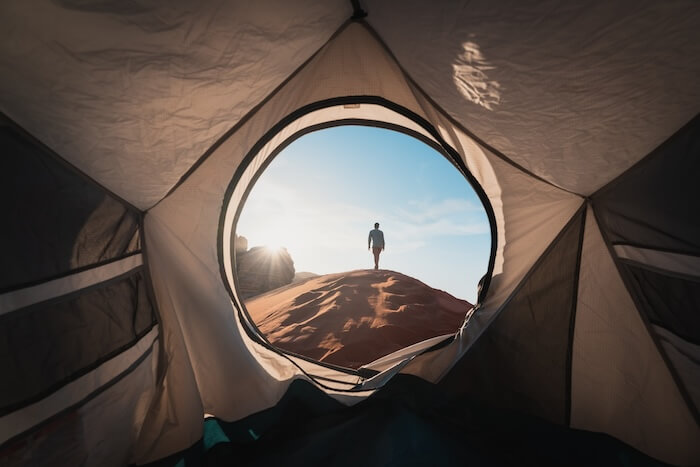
(132, 130)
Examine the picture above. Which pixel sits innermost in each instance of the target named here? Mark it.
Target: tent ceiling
(576, 92)
(133, 94)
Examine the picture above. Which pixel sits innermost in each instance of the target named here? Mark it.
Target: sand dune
(353, 318)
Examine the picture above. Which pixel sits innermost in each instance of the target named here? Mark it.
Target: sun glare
(273, 248)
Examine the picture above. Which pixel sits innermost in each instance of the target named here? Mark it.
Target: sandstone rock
(261, 269)
(240, 244)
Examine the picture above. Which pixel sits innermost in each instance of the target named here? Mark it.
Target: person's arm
(369, 239)
(383, 242)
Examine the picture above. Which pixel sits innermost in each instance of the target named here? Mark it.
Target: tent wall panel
(669, 302)
(651, 204)
(172, 77)
(207, 369)
(101, 429)
(685, 358)
(529, 215)
(56, 221)
(620, 382)
(645, 213)
(575, 92)
(528, 211)
(47, 345)
(671, 305)
(521, 362)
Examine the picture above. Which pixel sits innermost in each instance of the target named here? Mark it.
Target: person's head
(376, 225)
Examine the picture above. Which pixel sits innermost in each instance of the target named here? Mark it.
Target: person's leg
(376, 252)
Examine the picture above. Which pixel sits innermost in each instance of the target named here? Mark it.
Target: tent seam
(572, 319)
(656, 152)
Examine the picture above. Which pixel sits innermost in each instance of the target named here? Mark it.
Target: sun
(273, 247)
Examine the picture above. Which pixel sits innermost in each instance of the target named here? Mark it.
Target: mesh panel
(44, 346)
(54, 220)
(667, 301)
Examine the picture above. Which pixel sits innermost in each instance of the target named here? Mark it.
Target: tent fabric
(522, 361)
(188, 251)
(47, 345)
(644, 214)
(33, 418)
(620, 383)
(55, 288)
(94, 420)
(667, 301)
(601, 85)
(684, 357)
(671, 263)
(173, 76)
(74, 224)
(649, 205)
(131, 132)
(76, 314)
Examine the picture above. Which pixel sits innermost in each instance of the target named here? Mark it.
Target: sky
(320, 197)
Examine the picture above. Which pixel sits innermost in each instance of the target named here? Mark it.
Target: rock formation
(262, 269)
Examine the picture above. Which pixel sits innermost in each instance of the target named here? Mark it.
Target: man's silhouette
(376, 239)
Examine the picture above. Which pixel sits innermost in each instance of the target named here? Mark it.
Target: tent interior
(131, 131)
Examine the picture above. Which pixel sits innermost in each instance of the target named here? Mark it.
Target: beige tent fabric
(664, 260)
(102, 432)
(181, 231)
(155, 86)
(620, 383)
(684, 357)
(134, 93)
(200, 328)
(574, 91)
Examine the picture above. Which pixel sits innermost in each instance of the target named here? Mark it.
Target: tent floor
(408, 423)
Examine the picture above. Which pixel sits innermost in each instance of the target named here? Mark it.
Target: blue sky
(322, 194)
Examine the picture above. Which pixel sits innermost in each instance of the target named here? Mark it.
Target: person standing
(376, 240)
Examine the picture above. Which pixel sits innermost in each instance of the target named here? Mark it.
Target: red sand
(353, 318)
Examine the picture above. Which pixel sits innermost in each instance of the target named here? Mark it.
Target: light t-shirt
(377, 238)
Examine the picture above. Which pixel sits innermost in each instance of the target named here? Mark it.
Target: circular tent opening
(297, 295)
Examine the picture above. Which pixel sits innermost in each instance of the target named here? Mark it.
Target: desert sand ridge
(353, 318)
